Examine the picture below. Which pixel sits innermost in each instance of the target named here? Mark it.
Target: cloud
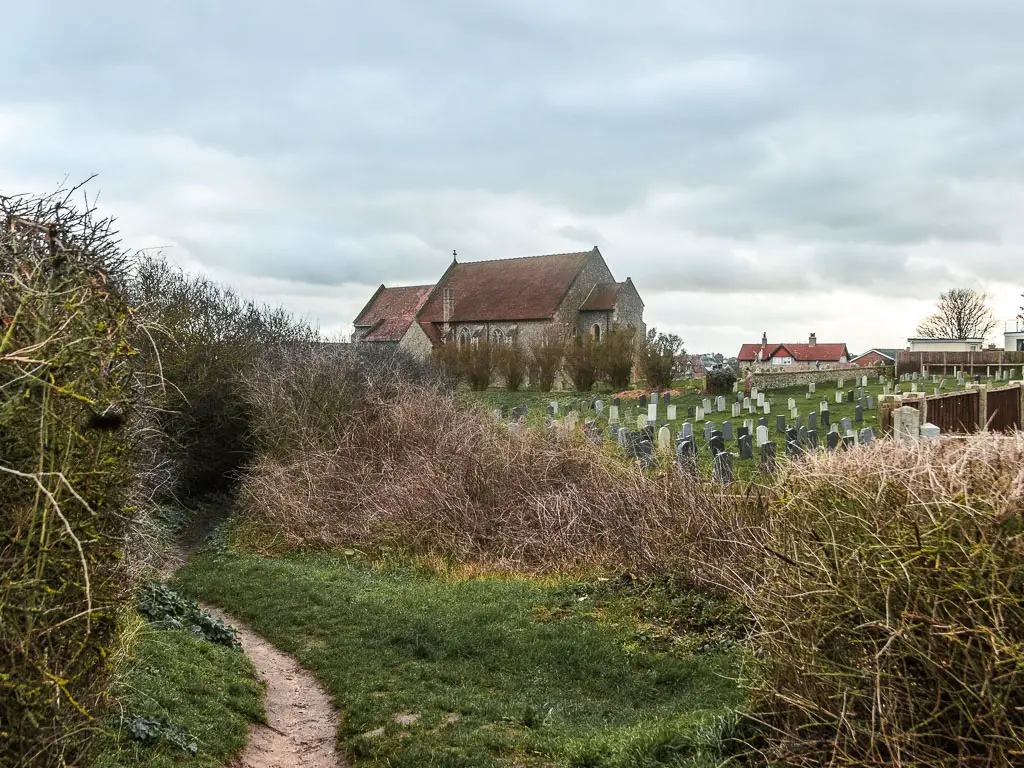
(787, 166)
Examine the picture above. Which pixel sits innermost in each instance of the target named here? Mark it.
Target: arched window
(463, 338)
(497, 336)
(595, 332)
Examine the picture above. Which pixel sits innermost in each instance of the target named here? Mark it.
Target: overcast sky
(787, 166)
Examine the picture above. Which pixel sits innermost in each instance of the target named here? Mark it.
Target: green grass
(496, 671)
(201, 693)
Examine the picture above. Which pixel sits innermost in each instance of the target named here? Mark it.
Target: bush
(166, 609)
(617, 355)
(889, 606)
(658, 354)
(719, 381)
(582, 360)
(547, 350)
(476, 362)
(511, 361)
(69, 393)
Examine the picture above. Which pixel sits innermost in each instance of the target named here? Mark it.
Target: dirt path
(302, 722)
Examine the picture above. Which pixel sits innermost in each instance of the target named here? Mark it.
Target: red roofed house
(501, 300)
(787, 354)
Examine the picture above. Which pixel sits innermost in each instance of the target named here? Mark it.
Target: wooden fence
(965, 412)
(986, 362)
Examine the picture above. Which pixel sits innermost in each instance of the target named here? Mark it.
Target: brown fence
(1003, 409)
(970, 411)
(986, 362)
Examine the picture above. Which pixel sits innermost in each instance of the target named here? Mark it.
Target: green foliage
(167, 609)
(182, 701)
(658, 353)
(719, 381)
(498, 671)
(67, 437)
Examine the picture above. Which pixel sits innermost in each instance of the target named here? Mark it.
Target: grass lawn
(744, 470)
(191, 692)
(435, 670)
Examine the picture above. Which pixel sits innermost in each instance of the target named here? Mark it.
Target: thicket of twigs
(885, 582)
(69, 471)
(890, 604)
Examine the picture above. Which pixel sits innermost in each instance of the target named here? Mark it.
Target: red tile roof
(529, 288)
(391, 311)
(802, 353)
(602, 297)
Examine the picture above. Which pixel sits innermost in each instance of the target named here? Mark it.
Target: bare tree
(961, 313)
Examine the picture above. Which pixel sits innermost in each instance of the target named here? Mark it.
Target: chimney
(764, 339)
(812, 340)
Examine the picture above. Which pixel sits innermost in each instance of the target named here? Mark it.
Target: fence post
(983, 408)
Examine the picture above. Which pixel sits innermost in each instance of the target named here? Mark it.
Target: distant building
(790, 353)
(875, 357)
(502, 300)
(1013, 335)
(923, 344)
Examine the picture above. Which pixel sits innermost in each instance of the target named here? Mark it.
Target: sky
(787, 167)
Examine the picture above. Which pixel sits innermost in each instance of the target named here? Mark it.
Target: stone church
(502, 300)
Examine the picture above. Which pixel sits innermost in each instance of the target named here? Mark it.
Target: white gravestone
(929, 431)
(699, 413)
(652, 412)
(735, 410)
(613, 414)
(762, 436)
(641, 421)
(906, 423)
(767, 408)
(760, 399)
(671, 413)
(664, 439)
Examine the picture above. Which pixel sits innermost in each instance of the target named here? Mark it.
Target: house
(502, 300)
(922, 344)
(1013, 335)
(875, 356)
(812, 353)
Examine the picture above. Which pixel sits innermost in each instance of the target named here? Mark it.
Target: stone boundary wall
(782, 379)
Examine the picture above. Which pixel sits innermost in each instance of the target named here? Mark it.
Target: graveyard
(833, 415)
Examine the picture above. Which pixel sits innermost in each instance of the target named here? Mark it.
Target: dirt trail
(302, 723)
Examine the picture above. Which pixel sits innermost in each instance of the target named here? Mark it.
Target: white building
(921, 344)
(1013, 334)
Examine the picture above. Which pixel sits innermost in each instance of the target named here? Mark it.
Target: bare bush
(547, 349)
(476, 363)
(582, 362)
(889, 606)
(511, 364)
(657, 355)
(617, 356)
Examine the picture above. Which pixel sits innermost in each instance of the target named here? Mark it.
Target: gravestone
(648, 434)
(845, 425)
(671, 413)
(706, 404)
(652, 412)
(801, 436)
(860, 393)
(762, 435)
(768, 457)
(780, 423)
(519, 412)
(794, 413)
(736, 410)
(839, 383)
(641, 420)
(848, 442)
(716, 444)
(742, 430)
(929, 431)
(654, 399)
(826, 418)
(749, 424)
(686, 432)
(812, 420)
(699, 415)
(667, 398)
(554, 407)
(767, 407)
(832, 440)
(811, 388)
(746, 403)
(643, 401)
(913, 386)
(858, 414)
(720, 404)
(839, 397)
(709, 427)
(686, 457)
(664, 439)
(616, 401)
(870, 402)
(613, 414)
(691, 412)
(760, 399)
(793, 449)
(906, 423)
(812, 439)
(754, 392)
(791, 403)
(762, 422)
(746, 447)
(599, 406)
(739, 397)
(867, 436)
(721, 469)
(798, 422)
(727, 431)
(624, 437)
(791, 435)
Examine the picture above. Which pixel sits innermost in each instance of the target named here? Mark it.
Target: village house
(1013, 335)
(875, 356)
(503, 300)
(927, 344)
(789, 353)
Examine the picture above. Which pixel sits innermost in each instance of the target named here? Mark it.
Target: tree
(961, 313)
(546, 351)
(582, 362)
(617, 354)
(511, 362)
(658, 358)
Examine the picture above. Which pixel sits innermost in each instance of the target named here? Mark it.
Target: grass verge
(183, 701)
(432, 670)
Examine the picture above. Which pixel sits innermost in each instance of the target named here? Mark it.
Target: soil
(301, 721)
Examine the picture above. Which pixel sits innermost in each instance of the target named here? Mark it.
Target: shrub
(658, 358)
(889, 606)
(166, 609)
(582, 358)
(547, 350)
(511, 362)
(446, 359)
(68, 430)
(476, 361)
(719, 381)
(617, 355)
